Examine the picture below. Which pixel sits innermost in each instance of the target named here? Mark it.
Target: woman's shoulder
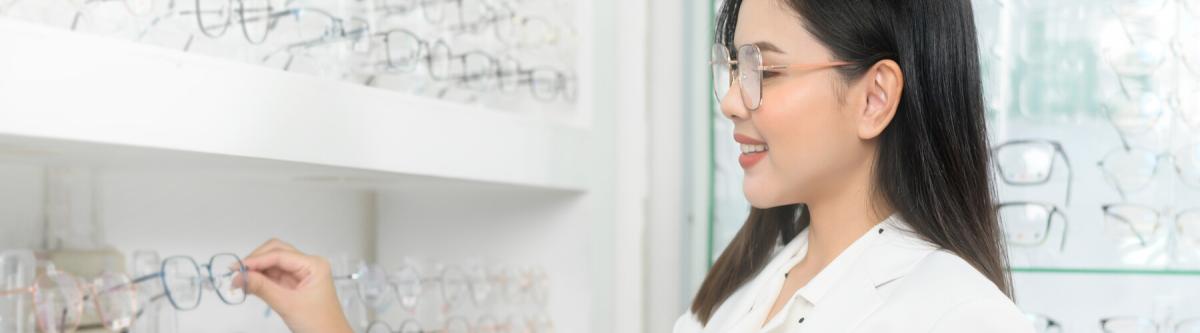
(687, 323)
(949, 273)
(947, 263)
(953, 296)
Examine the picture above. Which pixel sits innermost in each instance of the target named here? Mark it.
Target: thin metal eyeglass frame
(735, 71)
(1051, 210)
(1058, 150)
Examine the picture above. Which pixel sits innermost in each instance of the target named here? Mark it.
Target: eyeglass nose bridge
(729, 62)
(736, 81)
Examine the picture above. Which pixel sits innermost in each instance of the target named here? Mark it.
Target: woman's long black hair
(932, 163)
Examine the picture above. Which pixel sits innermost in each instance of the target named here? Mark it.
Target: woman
(866, 161)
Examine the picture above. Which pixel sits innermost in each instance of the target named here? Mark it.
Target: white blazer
(895, 282)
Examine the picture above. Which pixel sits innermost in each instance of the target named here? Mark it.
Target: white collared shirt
(865, 289)
(803, 302)
(800, 305)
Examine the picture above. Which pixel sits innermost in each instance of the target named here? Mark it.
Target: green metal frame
(1105, 271)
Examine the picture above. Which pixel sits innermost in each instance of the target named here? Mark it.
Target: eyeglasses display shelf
(58, 86)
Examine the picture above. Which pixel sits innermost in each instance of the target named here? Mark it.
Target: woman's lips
(753, 150)
(747, 140)
(749, 160)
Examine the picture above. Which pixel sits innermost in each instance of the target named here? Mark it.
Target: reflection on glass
(1044, 324)
(1028, 223)
(1030, 162)
(1130, 324)
(1140, 224)
(1137, 112)
(1131, 169)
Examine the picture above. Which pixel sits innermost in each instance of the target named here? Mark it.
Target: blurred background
(527, 165)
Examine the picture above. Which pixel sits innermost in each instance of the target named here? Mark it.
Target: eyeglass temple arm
(1062, 244)
(147, 277)
(287, 65)
(26, 290)
(1110, 178)
(136, 316)
(1070, 171)
(1130, 225)
(801, 67)
(1121, 136)
(273, 17)
(1120, 191)
(345, 35)
(131, 282)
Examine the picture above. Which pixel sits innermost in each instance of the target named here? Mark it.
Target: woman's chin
(770, 205)
(762, 195)
(760, 200)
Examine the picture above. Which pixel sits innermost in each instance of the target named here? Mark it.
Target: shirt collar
(820, 284)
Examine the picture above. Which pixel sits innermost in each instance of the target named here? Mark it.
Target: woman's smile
(753, 150)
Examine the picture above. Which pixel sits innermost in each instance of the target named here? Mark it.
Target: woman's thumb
(260, 285)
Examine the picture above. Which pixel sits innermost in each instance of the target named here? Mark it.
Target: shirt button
(881, 230)
(801, 320)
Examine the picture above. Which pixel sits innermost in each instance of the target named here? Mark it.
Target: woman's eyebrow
(766, 46)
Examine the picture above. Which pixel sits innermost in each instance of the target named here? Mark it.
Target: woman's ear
(884, 83)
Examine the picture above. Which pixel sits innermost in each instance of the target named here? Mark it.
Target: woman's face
(809, 132)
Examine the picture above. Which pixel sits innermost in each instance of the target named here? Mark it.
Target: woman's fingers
(280, 259)
(273, 244)
(264, 287)
(281, 277)
(274, 273)
(284, 267)
(298, 286)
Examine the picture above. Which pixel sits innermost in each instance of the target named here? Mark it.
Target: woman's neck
(839, 219)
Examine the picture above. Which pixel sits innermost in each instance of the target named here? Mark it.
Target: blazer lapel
(736, 319)
(756, 289)
(848, 303)
(856, 296)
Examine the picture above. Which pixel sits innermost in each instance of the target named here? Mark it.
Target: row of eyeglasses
(59, 299)
(1121, 324)
(1031, 162)
(361, 41)
(448, 287)
(484, 324)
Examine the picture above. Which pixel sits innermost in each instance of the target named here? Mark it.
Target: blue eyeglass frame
(211, 279)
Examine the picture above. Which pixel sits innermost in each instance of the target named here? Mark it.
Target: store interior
(528, 165)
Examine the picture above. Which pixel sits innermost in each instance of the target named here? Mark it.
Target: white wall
(21, 214)
(678, 158)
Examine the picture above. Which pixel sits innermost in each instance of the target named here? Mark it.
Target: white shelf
(58, 86)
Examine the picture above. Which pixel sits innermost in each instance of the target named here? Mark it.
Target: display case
(454, 160)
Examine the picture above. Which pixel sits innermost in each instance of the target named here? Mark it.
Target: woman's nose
(731, 104)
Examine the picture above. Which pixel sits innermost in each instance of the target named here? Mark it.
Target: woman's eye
(769, 74)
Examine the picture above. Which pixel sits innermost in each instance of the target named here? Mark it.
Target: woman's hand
(297, 286)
